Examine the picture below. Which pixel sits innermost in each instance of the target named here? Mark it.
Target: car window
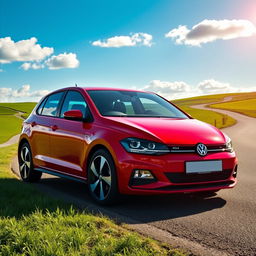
(74, 101)
(152, 107)
(39, 109)
(133, 104)
(51, 105)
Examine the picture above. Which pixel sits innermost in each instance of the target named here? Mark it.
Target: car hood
(174, 131)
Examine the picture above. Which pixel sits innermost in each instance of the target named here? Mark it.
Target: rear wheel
(102, 179)
(27, 172)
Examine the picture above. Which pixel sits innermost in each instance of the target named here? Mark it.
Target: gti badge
(201, 149)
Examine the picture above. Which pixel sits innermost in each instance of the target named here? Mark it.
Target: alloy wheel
(100, 183)
(25, 162)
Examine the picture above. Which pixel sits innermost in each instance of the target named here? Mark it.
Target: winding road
(224, 224)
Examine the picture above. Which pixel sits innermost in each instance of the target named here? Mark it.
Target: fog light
(142, 174)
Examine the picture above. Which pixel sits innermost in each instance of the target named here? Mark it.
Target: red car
(124, 142)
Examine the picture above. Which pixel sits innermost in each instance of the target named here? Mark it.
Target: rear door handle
(54, 127)
(33, 124)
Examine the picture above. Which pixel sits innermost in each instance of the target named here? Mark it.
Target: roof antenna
(75, 85)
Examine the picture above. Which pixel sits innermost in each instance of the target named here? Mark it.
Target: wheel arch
(21, 142)
(96, 147)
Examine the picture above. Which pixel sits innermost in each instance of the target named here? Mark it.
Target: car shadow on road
(143, 209)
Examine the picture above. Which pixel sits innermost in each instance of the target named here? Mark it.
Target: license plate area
(203, 166)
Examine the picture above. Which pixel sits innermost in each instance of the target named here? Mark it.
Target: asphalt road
(225, 222)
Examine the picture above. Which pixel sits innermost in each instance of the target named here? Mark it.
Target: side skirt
(66, 176)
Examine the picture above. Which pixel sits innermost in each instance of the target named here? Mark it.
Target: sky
(177, 48)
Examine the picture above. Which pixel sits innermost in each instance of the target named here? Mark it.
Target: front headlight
(140, 146)
(229, 146)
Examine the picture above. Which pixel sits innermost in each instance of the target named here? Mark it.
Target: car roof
(108, 89)
(98, 89)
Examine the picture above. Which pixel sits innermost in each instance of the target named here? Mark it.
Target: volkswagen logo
(201, 149)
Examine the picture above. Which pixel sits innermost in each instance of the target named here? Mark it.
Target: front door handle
(54, 127)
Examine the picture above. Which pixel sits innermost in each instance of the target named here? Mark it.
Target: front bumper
(170, 175)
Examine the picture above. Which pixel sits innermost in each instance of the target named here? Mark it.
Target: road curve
(219, 225)
(11, 141)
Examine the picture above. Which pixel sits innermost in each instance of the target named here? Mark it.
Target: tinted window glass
(152, 107)
(74, 101)
(133, 104)
(51, 105)
(39, 109)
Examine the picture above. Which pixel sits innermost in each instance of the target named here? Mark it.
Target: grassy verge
(34, 224)
(246, 107)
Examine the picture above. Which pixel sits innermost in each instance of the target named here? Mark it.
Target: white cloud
(24, 50)
(212, 86)
(1, 70)
(64, 60)
(166, 89)
(121, 41)
(23, 93)
(180, 89)
(28, 65)
(211, 30)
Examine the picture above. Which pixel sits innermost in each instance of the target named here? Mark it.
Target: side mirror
(73, 115)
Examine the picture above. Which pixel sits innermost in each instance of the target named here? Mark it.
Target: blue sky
(172, 69)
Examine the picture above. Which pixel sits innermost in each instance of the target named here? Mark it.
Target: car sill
(60, 175)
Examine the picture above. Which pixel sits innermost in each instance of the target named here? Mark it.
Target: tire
(102, 178)
(26, 168)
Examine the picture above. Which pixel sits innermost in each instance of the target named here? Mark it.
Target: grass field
(34, 224)
(25, 107)
(246, 107)
(9, 126)
(7, 111)
(211, 117)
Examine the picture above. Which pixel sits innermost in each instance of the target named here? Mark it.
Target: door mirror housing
(74, 115)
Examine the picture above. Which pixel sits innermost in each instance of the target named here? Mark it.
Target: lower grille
(196, 186)
(176, 177)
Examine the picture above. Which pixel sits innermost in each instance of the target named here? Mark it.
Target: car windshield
(133, 104)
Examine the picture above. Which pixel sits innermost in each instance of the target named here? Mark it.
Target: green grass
(246, 107)
(217, 119)
(32, 223)
(244, 103)
(9, 126)
(7, 111)
(210, 117)
(25, 107)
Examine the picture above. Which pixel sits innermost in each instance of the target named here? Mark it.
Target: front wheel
(102, 179)
(27, 172)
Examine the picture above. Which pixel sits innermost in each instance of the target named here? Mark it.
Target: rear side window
(74, 101)
(51, 104)
(39, 109)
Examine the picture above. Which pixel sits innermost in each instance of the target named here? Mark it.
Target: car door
(41, 127)
(70, 139)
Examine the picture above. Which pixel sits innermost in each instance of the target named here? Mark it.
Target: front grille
(180, 177)
(192, 149)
